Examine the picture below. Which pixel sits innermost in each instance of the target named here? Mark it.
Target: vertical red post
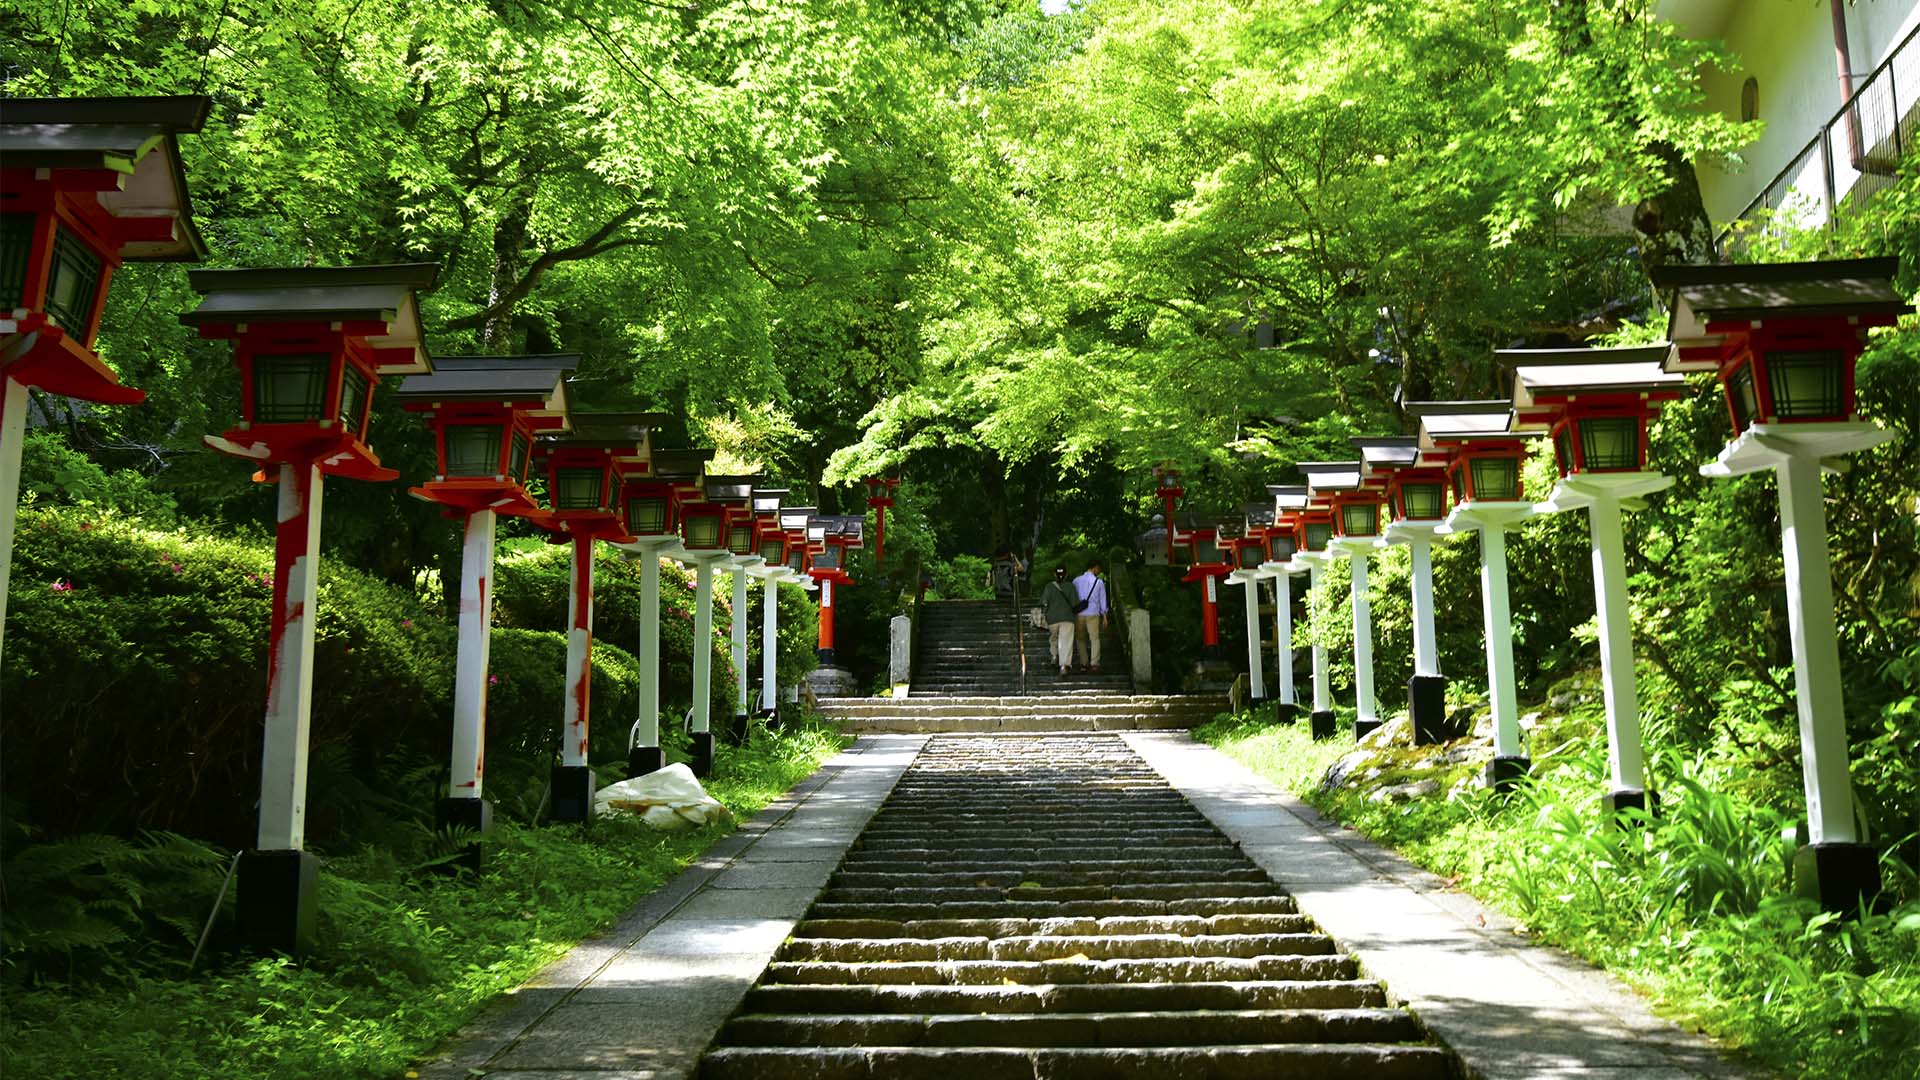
(1210, 616)
(826, 620)
(880, 533)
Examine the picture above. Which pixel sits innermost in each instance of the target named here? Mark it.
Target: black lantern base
(737, 731)
(1631, 799)
(1210, 653)
(277, 904)
(1427, 706)
(472, 815)
(573, 788)
(1365, 725)
(642, 760)
(1839, 876)
(1505, 773)
(826, 657)
(702, 762)
(1285, 713)
(1320, 723)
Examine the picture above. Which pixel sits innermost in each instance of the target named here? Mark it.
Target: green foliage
(1690, 904)
(53, 472)
(405, 958)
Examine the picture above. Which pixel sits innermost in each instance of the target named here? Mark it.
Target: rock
(1529, 721)
(1395, 732)
(1339, 771)
(1399, 793)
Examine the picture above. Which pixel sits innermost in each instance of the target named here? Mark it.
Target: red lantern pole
(1210, 615)
(296, 576)
(826, 620)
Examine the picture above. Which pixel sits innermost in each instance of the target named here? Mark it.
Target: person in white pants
(1092, 591)
(1057, 603)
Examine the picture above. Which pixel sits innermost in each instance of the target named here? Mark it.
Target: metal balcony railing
(1856, 154)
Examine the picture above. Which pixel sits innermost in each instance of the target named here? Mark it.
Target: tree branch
(602, 241)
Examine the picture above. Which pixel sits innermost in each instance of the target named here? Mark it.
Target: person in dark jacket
(1057, 603)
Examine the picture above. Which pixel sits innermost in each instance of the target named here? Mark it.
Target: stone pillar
(1510, 762)
(1256, 673)
(739, 729)
(701, 726)
(13, 433)
(1283, 643)
(573, 780)
(465, 806)
(1321, 719)
(770, 647)
(1366, 716)
(1140, 647)
(644, 754)
(1427, 689)
(1620, 690)
(899, 654)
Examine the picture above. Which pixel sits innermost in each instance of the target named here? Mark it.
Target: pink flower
(60, 586)
(408, 623)
(493, 680)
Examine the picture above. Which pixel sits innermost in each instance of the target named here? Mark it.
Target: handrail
(1847, 113)
(1019, 634)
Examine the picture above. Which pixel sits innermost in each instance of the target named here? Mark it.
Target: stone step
(1208, 890)
(1041, 909)
(1031, 853)
(1066, 972)
(916, 725)
(1117, 1029)
(1055, 947)
(1184, 925)
(1004, 879)
(1287, 1061)
(1004, 1000)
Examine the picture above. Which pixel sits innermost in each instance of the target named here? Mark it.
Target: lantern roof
(134, 137)
(1462, 421)
(767, 500)
(1546, 380)
(333, 294)
(849, 530)
(1330, 475)
(796, 518)
(1258, 515)
(540, 379)
(729, 489)
(1288, 497)
(615, 430)
(1385, 454)
(680, 464)
(1712, 294)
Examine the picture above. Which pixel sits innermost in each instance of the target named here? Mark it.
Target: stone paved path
(1074, 905)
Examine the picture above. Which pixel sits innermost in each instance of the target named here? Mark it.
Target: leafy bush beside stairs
(406, 955)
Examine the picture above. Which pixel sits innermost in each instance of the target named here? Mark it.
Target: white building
(1814, 154)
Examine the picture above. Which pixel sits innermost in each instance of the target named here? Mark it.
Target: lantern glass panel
(773, 551)
(740, 539)
(517, 462)
(353, 400)
(828, 559)
(1610, 442)
(1459, 485)
(1251, 554)
(1422, 502)
(1360, 519)
(290, 389)
(647, 515)
(1283, 547)
(1496, 479)
(16, 248)
(702, 531)
(1741, 395)
(797, 558)
(73, 282)
(1806, 385)
(1318, 533)
(1563, 448)
(1207, 553)
(1182, 554)
(578, 488)
(473, 449)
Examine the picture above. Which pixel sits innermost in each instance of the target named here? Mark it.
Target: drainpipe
(1843, 59)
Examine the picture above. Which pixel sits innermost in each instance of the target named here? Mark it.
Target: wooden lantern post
(485, 412)
(1483, 459)
(1313, 531)
(791, 538)
(311, 345)
(1282, 542)
(880, 492)
(1417, 504)
(584, 504)
(85, 184)
(703, 534)
(743, 547)
(1356, 502)
(1250, 560)
(1596, 404)
(654, 494)
(829, 539)
(1783, 340)
(772, 542)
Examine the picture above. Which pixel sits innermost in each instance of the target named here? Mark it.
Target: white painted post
(13, 432)
(702, 647)
(1322, 697)
(296, 581)
(1625, 757)
(740, 646)
(769, 644)
(646, 731)
(1426, 645)
(1283, 634)
(1498, 629)
(470, 658)
(575, 706)
(1816, 652)
(1363, 699)
(1256, 676)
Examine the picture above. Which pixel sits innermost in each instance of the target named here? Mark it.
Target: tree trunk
(1674, 223)
(510, 236)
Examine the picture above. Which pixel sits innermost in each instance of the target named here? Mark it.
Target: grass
(1690, 907)
(406, 956)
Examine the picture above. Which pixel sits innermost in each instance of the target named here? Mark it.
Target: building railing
(1856, 154)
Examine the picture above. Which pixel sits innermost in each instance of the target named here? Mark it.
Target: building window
(1750, 100)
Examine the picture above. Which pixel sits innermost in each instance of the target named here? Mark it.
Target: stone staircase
(1079, 710)
(1028, 907)
(972, 648)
